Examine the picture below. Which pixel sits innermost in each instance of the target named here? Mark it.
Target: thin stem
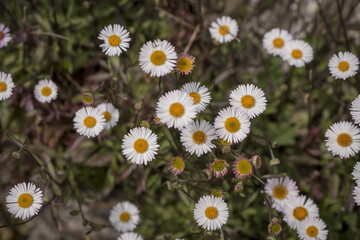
(343, 25)
(327, 26)
(192, 38)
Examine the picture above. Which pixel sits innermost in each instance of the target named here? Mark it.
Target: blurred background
(58, 39)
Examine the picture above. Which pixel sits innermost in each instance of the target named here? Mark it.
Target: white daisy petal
(219, 34)
(200, 95)
(116, 40)
(343, 139)
(6, 85)
(111, 114)
(356, 194)
(89, 121)
(24, 200)
(343, 65)
(281, 190)
(249, 98)
(312, 229)
(356, 173)
(211, 212)
(276, 40)
(124, 216)
(297, 53)
(355, 110)
(5, 37)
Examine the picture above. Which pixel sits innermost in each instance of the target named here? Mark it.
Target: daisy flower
(275, 41)
(297, 53)
(298, 209)
(223, 29)
(87, 99)
(111, 114)
(218, 193)
(24, 200)
(242, 168)
(343, 139)
(211, 212)
(274, 228)
(355, 110)
(124, 216)
(219, 167)
(249, 98)
(185, 63)
(6, 86)
(89, 121)
(281, 190)
(130, 236)
(312, 229)
(116, 40)
(176, 109)
(4, 35)
(176, 165)
(232, 125)
(200, 95)
(157, 58)
(343, 65)
(45, 91)
(196, 137)
(140, 145)
(356, 172)
(356, 194)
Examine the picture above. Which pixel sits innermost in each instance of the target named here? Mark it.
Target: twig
(177, 19)
(343, 25)
(327, 26)
(192, 38)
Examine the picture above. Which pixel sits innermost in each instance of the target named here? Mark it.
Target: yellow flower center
(25, 200)
(232, 124)
(1, 35)
(107, 116)
(195, 96)
(344, 139)
(222, 30)
(216, 193)
(141, 145)
(344, 66)
(218, 166)
(158, 58)
(125, 217)
(244, 167)
(177, 109)
(280, 192)
(184, 64)
(90, 122)
(199, 137)
(278, 43)
(224, 142)
(248, 101)
(296, 53)
(300, 213)
(275, 228)
(211, 212)
(114, 40)
(312, 231)
(3, 86)
(178, 163)
(46, 91)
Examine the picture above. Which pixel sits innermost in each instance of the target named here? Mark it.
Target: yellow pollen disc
(224, 142)
(184, 64)
(248, 101)
(199, 137)
(90, 122)
(46, 91)
(1, 35)
(141, 145)
(312, 231)
(211, 212)
(195, 96)
(25, 200)
(114, 40)
(125, 217)
(344, 66)
(275, 228)
(218, 166)
(344, 139)
(278, 43)
(296, 53)
(216, 193)
(232, 124)
(177, 109)
(107, 116)
(222, 31)
(280, 192)
(3, 86)
(244, 167)
(158, 58)
(300, 213)
(178, 163)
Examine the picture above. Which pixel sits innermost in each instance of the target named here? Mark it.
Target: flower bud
(270, 238)
(239, 187)
(87, 99)
(274, 228)
(144, 124)
(138, 105)
(274, 161)
(226, 149)
(16, 155)
(256, 161)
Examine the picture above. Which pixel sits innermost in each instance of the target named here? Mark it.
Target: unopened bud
(274, 161)
(87, 99)
(256, 161)
(144, 124)
(226, 149)
(169, 185)
(274, 220)
(16, 155)
(138, 105)
(274, 228)
(274, 144)
(239, 187)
